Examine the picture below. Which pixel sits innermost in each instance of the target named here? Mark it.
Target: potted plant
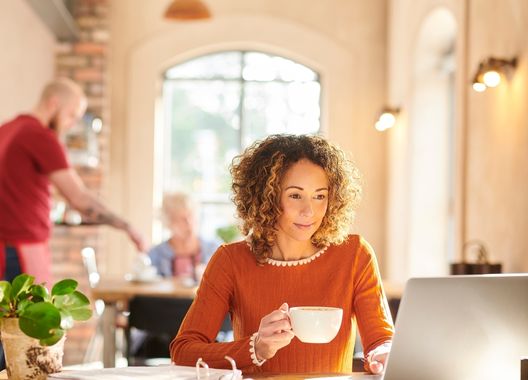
(228, 233)
(33, 323)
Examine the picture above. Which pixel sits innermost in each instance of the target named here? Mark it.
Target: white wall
(491, 129)
(343, 40)
(406, 18)
(497, 205)
(28, 57)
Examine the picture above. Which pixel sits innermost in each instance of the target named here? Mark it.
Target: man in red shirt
(31, 157)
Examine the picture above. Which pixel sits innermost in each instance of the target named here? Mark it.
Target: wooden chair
(95, 346)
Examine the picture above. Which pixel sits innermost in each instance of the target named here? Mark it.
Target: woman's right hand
(274, 333)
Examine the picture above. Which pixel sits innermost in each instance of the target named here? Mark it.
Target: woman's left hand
(377, 358)
(377, 363)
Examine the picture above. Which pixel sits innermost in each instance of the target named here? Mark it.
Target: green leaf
(5, 308)
(64, 287)
(77, 304)
(22, 306)
(66, 320)
(22, 296)
(39, 320)
(73, 300)
(56, 335)
(5, 291)
(82, 314)
(20, 284)
(39, 291)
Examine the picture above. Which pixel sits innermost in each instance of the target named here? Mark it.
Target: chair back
(158, 315)
(152, 323)
(90, 264)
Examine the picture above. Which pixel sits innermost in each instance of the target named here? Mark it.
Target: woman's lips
(304, 226)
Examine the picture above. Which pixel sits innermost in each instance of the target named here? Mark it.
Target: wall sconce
(187, 10)
(387, 118)
(491, 71)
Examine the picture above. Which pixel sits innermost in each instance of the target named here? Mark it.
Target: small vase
(26, 358)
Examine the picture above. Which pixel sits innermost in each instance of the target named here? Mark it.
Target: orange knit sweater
(343, 276)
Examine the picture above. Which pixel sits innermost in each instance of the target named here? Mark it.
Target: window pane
(203, 132)
(222, 65)
(206, 125)
(264, 67)
(278, 107)
(216, 215)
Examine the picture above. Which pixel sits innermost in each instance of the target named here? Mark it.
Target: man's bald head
(62, 104)
(63, 88)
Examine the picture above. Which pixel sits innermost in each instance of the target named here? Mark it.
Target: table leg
(109, 335)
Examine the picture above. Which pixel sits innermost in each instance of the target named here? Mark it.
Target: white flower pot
(25, 358)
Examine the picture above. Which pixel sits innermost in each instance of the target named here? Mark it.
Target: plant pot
(26, 358)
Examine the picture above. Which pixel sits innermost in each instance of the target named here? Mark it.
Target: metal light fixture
(491, 72)
(387, 118)
(185, 10)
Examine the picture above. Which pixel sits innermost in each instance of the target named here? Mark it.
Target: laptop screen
(461, 328)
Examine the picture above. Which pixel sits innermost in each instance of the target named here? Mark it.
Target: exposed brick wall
(84, 61)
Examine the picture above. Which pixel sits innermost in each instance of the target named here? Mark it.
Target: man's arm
(72, 188)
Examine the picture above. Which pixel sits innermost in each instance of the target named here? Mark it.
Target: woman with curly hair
(295, 196)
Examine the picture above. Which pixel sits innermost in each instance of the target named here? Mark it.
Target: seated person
(184, 253)
(296, 197)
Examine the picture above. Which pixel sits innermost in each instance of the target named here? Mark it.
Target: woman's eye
(295, 196)
(320, 196)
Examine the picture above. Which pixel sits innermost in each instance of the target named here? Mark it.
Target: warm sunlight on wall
(28, 58)
(337, 42)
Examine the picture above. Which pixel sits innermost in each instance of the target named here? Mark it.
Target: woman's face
(304, 200)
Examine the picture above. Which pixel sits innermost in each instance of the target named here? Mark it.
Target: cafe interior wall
(492, 206)
(33, 55)
(497, 143)
(28, 61)
(491, 131)
(345, 41)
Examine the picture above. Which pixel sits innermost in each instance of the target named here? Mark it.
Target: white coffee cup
(142, 268)
(141, 261)
(315, 324)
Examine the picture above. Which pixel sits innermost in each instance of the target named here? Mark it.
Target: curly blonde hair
(257, 174)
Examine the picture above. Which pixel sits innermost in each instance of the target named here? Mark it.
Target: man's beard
(54, 123)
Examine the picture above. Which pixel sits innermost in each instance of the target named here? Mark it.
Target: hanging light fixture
(387, 118)
(491, 72)
(187, 10)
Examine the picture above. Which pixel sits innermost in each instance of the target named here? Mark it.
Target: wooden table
(314, 376)
(290, 376)
(115, 290)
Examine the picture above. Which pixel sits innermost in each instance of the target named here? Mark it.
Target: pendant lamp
(187, 10)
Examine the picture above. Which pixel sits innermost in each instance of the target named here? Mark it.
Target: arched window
(216, 105)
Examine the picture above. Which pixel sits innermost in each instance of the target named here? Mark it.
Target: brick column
(85, 61)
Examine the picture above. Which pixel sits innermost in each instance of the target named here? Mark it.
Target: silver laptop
(461, 328)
